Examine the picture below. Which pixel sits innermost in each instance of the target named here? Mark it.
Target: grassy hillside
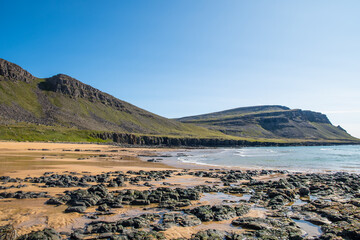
(234, 112)
(25, 102)
(34, 132)
(271, 122)
(65, 102)
(61, 108)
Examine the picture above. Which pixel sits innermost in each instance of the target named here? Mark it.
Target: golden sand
(23, 159)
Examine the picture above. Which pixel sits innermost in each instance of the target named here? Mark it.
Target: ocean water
(311, 158)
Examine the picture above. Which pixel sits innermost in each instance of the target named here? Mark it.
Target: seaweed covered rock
(208, 213)
(187, 220)
(266, 228)
(8, 232)
(210, 234)
(46, 234)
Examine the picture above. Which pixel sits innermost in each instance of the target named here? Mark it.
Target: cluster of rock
(161, 222)
(99, 195)
(24, 195)
(111, 179)
(270, 228)
(233, 176)
(330, 201)
(207, 213)
(336, 218)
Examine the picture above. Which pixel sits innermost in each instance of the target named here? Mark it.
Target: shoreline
(195, 165)
(187, 158)
(88, 184)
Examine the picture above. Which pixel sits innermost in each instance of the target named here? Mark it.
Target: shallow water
(311, 230)
(220, 198)
(309, 158)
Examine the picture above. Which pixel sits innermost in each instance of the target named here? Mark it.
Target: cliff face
(73, 88)
(131, 139)
(271, 122)
(11, 71)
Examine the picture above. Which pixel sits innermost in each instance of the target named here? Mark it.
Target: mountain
(271, 122)
(65, 102)
(61, 108)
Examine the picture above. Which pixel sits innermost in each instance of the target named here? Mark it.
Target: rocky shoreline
(330, 203)
(129, 139)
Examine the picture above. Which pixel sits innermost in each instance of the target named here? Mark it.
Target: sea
(303, 158)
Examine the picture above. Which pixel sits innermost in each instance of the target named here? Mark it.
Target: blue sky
(185, 57)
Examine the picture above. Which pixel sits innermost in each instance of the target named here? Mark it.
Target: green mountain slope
(271, 122)
(65, 102)
(61, 108)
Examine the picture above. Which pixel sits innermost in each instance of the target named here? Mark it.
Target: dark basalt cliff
(131, 139)
(11, 71)
(73, 88)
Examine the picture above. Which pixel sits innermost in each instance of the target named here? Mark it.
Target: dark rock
(204, 213)
(219, 212)
(241, 209)
(173, 204)
(304, 192)
(187, 220)
(54, 201)
(252, 223)
(103, 208)
(24, 195)
(13, 72)
(79, 209)
(210, 234)
(46, 234)
(266, 228)
(223, 212)
(140, 202)
(67, 85)
(8, 232)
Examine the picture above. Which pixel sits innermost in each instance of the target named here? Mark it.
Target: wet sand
(28, 164)
(21, 159)
(24, 159)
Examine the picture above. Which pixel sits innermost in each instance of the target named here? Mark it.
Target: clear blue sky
(186, 57)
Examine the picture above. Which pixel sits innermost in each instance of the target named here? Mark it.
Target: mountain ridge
(67, 102)
(270, 121)
(61, 108)
(237, 110)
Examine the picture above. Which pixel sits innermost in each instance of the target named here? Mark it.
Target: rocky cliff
(138, 140)
(73, 88)
(271, 122)
(13, 72)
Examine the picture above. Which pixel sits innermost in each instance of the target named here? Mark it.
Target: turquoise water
(314, 158)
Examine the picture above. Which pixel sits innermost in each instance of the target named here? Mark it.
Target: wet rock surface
(14, 72)
(23, 195)
(8, 232)
(46, 234)
(208, 213)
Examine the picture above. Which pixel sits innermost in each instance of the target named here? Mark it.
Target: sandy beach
(88, 191)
